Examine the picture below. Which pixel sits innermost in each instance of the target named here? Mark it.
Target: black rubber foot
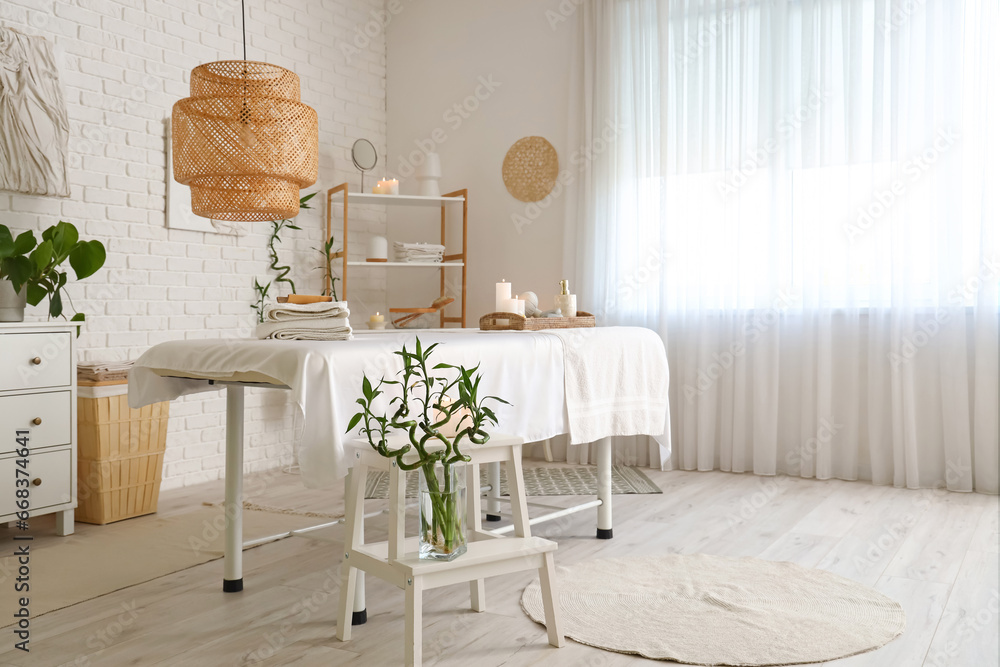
(232, 585)
(493, 517)
(359, 617)
(605, 533)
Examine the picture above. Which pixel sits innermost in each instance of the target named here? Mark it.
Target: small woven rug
(540, 481)
(711, 610)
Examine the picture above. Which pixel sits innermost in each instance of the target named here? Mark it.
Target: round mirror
(363, 155)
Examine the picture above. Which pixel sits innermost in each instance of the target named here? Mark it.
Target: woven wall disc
(530, 169)
(244, 141)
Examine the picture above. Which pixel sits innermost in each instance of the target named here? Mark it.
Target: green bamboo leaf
(354, 421)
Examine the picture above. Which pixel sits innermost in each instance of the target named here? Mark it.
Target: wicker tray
(521, 323)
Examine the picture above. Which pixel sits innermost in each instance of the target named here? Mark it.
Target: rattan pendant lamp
(243, 141)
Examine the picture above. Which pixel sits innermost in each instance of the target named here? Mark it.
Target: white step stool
(488, 555)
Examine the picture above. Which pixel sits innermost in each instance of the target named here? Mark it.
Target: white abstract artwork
(34, 126)
(179, 214)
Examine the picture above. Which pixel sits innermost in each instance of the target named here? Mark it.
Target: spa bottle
(565, 301)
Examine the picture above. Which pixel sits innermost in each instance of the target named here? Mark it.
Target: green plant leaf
(64, 237)
(6, 242)
(24, 243)
(366, 387)
(354, 421)
(79, 317)
(36, 293)
(55, 303)
(87, 258)
(18, 270)
(42, 255)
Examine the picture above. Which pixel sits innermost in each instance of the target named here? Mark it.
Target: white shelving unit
(451, 260)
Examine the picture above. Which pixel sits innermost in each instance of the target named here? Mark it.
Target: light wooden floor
(934, 552)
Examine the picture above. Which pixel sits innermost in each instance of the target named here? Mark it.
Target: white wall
(515, 55)
(124, 63)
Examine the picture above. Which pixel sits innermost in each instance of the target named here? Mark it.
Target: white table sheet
(525, 368)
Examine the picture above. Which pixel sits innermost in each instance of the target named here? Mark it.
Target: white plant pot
(12, 303)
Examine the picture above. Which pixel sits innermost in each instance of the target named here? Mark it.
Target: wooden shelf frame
(450, 260)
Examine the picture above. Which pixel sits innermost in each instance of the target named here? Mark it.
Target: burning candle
(503, 295)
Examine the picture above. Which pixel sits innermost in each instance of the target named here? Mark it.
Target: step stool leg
(359, 615)
(348, 581)
(413, 647)
(493, 479)
(354, 509)
(474, 524)
(550, 601)
(515, 487)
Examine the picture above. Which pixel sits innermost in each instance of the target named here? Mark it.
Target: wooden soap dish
(304, 298)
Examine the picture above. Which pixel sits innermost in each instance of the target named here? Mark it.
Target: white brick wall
(123, 65)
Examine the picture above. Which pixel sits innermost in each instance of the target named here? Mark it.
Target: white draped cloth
(525, 368)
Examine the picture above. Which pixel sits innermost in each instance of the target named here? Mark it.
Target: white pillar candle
(515, 306)
(378, 249)
(389, 186)
(503, 295)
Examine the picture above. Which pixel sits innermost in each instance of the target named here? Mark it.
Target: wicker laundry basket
(120, 456)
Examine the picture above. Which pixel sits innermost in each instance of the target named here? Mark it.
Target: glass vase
(442, 511)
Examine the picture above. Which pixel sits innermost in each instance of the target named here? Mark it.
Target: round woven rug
(710, 610)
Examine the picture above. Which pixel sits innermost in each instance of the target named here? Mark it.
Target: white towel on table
(330, 328)
(287, 312)
(616, 387)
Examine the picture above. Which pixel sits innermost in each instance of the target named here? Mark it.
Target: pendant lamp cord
(243, 11)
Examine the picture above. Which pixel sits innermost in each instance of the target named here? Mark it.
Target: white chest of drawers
(38, 396)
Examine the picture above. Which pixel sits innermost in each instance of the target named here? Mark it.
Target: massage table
(591, 384)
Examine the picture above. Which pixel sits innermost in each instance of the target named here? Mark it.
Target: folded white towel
(616, 382)
(288, 312)
(330, 328)
(418, 252)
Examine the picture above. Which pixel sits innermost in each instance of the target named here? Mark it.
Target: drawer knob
(37, 361)
(37, 481)
(37, 421)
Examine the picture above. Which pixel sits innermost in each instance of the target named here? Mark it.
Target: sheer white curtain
(799, 195)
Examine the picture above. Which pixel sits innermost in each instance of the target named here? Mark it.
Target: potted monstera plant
(31, 271)
(435, 422)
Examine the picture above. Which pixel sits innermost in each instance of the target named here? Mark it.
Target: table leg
(493, 479)
(604, 525)
(232, 580)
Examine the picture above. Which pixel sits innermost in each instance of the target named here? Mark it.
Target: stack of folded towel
(306, 321)
(418, 252)
(104, 371)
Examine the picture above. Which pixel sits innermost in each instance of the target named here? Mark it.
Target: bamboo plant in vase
(435, 423)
